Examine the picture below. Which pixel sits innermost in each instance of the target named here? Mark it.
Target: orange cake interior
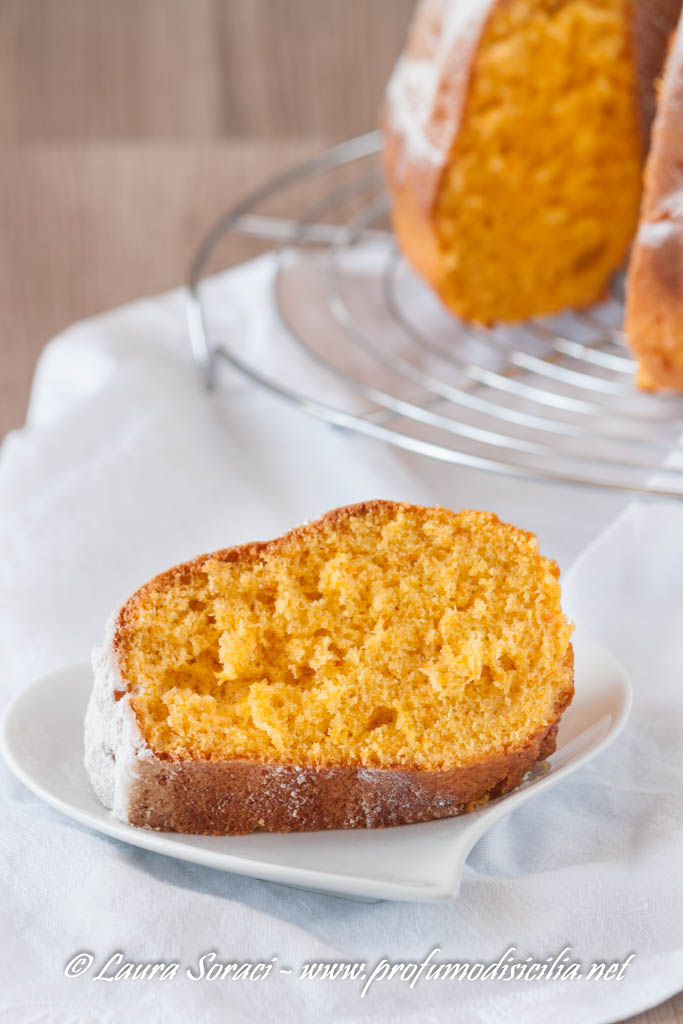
(539, 197)
(382, 635)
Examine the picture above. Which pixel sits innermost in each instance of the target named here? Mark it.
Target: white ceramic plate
(42, 741)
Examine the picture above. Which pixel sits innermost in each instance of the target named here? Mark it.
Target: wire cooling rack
(353, 337)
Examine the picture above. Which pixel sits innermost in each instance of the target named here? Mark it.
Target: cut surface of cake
(654, 296)
(515, 133)
(383, 665)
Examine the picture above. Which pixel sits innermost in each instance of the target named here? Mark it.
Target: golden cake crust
(654, 307)
(413, 179)
(238, 796)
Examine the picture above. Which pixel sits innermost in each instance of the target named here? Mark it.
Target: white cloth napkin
(126, 467)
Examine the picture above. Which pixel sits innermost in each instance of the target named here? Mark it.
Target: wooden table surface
(126, 127)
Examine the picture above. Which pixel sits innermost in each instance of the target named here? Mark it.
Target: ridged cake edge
(654, 313)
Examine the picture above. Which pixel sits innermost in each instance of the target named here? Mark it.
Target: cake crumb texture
(383, 635)
(537, 197)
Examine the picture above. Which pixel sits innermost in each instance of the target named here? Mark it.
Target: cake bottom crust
(236, 797)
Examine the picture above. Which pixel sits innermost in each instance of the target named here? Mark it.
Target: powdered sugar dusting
(439, 26)
(668, 222)
(672, 206)
(114, 745)
(665, 214)
(676, 55)
(411, 97)
(656, 233)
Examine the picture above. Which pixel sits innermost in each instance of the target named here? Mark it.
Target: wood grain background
(127, 125)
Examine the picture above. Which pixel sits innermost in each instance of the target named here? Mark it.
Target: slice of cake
(515, 133)
(386, 664)
(654, 306)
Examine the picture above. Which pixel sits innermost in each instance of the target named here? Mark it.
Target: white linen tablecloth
(125, 467)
